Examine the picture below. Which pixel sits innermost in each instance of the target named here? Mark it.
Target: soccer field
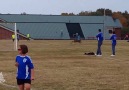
(62, 65)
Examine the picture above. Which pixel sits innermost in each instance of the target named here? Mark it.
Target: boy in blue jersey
(25, 69)
(113, 38)
(99, 37)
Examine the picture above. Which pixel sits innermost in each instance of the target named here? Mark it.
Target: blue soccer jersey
(24, 67)
(113, 38)
(99, 36)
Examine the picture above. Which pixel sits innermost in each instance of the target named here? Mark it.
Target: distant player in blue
(113, 38)
(25, 69)
(99, 37)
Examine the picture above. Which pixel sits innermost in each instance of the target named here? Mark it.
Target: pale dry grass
(62, 65)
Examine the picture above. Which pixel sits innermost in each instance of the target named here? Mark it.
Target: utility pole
(104, 24)
(15, 44)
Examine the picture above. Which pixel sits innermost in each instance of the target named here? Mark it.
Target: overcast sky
(56, 7)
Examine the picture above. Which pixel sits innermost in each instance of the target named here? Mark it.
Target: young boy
(25, 69)
(99, 37)
(113, 38)
(13, 37)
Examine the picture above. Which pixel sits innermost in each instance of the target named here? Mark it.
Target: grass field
(62, 65)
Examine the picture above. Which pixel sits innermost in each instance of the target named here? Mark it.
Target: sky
(56, 7)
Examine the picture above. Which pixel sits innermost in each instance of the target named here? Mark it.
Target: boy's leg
(21, 87)
(99, 48)
(27, 86)
(113, 49)
(20, 84)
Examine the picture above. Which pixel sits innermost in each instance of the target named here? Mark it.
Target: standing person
(25, 68)
(28, 36)
(126, 37)
(61, 34)
(13, 37)
(113, 38)
(76, 37)
(99, 37)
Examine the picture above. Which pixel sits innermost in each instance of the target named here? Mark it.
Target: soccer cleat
(112, 55)
(99, 55)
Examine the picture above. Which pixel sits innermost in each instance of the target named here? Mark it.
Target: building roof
(56, 18)
(50, 26)
(117, 23)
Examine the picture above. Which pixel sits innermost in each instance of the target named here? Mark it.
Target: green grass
(62, 65)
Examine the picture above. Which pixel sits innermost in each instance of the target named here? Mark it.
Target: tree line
(122, 16)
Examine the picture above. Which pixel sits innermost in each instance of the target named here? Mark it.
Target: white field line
(2, 80)
(11, 86)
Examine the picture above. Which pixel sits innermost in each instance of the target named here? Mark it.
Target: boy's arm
(111, 37)
(97, 35)
(31, 66)
(16, 64)
(32, 74)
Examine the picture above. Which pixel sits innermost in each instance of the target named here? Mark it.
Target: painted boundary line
(11, 86)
